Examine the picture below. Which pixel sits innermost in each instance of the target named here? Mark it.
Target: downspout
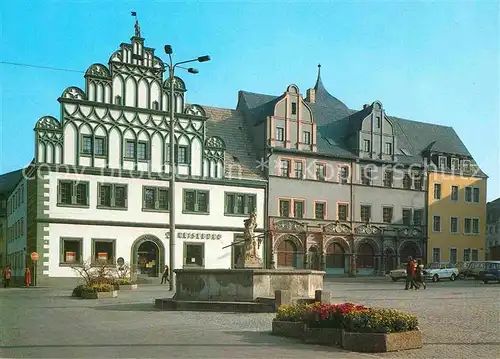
(351, 215)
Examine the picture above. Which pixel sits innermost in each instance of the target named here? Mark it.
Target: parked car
(438, 271)
(462, 269)
(397, 274)
(491, 272)
(474, 268)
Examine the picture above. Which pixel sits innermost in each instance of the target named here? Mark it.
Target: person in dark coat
(411, 267)
(164, 277)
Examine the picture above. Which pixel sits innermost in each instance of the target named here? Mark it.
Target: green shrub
(102, 287)
(77, 292)
(125, 281)
(377, 320)
(292, 312)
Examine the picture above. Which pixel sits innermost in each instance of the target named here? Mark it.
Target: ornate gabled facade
(352, 183)
(101, 173)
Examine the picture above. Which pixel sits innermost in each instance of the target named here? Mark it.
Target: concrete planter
(323, 336)
(288, 329)
(99, 295)
(128, 286)
(380, 342)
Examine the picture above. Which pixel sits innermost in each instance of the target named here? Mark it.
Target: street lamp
(173, 169)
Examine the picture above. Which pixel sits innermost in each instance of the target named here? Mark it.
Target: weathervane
(136, 26)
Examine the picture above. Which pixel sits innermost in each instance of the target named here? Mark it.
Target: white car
(397, 274)
(438, 271)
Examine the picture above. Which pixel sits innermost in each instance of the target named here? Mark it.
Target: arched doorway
(287, 254)
(314, 261)
(408, 249)
(390, 260)
(365, 259)
(148, 256)
(335, 259)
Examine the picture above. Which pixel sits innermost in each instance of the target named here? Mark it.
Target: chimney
(311, 95)
(365, 106)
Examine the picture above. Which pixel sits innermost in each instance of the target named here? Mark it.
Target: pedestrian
(7, 275)
(410, 274)
(164, 277)
(27, 277)
(419, 276)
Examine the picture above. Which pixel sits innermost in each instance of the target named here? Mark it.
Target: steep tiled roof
(230, 126)
(9, 181)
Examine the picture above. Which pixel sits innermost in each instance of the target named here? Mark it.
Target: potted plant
(380, 330)
(289, 321)
(127, 284)
(99, 291)
(125, 281)
(97, 279)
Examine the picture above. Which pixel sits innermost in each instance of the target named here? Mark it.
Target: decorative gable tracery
(49, 140)
(214, 157)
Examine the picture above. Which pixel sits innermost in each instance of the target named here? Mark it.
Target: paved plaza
(459, 320)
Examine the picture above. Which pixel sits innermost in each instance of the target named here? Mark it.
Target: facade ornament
(337, 227)
(137, 28)
(368, 229)
(290, 226)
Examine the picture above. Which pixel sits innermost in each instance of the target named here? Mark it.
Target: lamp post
(173, 168)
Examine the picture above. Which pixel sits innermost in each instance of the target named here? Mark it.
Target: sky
(434, 62)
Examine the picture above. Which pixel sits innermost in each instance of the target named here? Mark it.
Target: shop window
(103, 251)
(71, 250)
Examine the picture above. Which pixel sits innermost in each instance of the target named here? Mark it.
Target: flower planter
(381, 342)
(288, 329)
(99, 295)
(323, 336)
(128, 286)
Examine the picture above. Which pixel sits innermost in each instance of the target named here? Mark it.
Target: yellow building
(456, 210)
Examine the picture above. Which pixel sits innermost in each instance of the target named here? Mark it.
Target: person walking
(419, 276)
(164, 277)
(7, 275)
(410, 274)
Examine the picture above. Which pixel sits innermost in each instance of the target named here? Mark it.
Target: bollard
(282, 297)
(322, 296)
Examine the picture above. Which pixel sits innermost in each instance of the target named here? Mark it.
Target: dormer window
(455, 164)
(466, 165)
(156, 105)
(307, 137)
(294, 108)
(443, 163)
(366, 145)
(118, 100)
(280, 134)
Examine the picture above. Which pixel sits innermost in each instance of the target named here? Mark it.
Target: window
(240, 203)
(454, 193)
(443, 163)
(99, 146)
(366, 213)
(467, 225)
(319, 210)
(366, 145)
(476, 195)
(182, 154)
(475, 225)
(436, 224)
(474, 255)
(298, 209)
(436, 255)
(342, 209)
(194, 254)
(468, 194)
(320, 171)
(298, 167)
(294, 108)
(378, 122)
(417, 181)
(453, 256)
(388, 177)
(454, 225)
(130, 149)
(86, 144)
(388, 148)
(466, 165)
(344, 174)
(366, 176)
(155, 198)
(387, 214)
(437, 191)
(285, 168)
(103, 251)
(284, 208)
(142, 151)
(196, 201)
(407, 181)
(307, 137)
(118, 100)
(71, 250)
(112, 195)
(455, 164)
(418, 214)
(73, 193)
(280, 134)
(466, 254)
(406, 216)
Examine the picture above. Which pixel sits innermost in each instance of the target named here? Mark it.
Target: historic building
(493, 230)
(100, 174)
(347, 188)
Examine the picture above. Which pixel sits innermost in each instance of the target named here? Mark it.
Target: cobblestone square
(459, 320)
